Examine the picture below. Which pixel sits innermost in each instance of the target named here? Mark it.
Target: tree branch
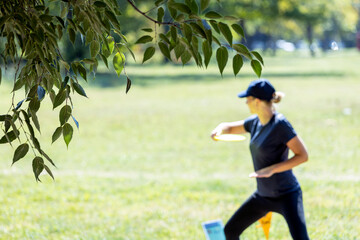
(151, 19)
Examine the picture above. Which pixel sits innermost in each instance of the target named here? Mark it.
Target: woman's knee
(231, 232)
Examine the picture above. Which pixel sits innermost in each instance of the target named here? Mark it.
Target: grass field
(143, 167)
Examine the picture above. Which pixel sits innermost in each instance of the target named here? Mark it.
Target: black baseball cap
(261, 89)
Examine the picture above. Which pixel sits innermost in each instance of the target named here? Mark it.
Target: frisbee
(230, 137)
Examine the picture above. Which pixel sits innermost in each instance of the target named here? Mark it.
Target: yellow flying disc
(230, 137)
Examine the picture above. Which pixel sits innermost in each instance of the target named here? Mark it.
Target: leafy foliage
(32, 29)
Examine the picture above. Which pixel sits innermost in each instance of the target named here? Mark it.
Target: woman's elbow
(305, 157)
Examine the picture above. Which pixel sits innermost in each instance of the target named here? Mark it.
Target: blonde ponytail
(277, 96)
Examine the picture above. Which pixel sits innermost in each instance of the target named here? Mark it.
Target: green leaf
(45, 18)
(187, 31)
(214, 24)
(72, 35)
(108, 47)
(198, 29)
(238, 29)
(243, 50)
(32, 92)
(160, 14)
(82, 71)
(147, 29)
(67, 133)
(65, 64)
(222, 56)
(35, 120)
(61, 21)
(225, 30)
(104, 60)
(64, 114)
(111, 16)
(9, 137)
(181, 7)
(231, 18)
(159, 2)
(164, 50)
(164, 38)
(59, 99)
(0, 75)
(12, 123)
(36, 143)
(20, 152)
(89, 61)
(179, 50)
(173, 12)
(185, 57)
(207, 50)
(38, 167)
(34, 104)
(256, 66)
(100, 4)
(49, 171)
(193, 6)
(119, 62)
(212, 14)
(28, 124)
(144, 39)
(258, 56)
(204, 4)
(56, 134)
(94, 48)
(6, 117)
(180, 18)
(173, 32)
(79, 89)
(149, 52)
(237, 63)
(47, 158)
(128, 84)
(18, 84)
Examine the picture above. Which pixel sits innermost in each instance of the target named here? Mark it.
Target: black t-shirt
(268, 147)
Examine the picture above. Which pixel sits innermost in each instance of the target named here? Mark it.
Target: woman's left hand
(263, 173)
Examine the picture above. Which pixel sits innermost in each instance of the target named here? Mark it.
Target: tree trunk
(309, 35)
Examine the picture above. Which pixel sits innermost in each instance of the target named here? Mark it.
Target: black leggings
(255, 207)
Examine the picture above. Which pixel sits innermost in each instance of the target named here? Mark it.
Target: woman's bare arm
(229, 127)
(297, 146)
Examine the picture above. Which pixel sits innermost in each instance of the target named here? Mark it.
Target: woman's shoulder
(283, 126)
(279, 117)
(281, 120)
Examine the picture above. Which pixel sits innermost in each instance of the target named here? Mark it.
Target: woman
(271, 138)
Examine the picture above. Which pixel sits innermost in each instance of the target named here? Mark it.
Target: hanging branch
(151, 19)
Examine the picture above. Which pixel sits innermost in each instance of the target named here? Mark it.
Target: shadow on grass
(106, 80)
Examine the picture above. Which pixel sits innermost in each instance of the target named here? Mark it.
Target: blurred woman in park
(271, 138)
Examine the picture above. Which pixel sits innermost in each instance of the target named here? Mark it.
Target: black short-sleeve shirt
(268, 147)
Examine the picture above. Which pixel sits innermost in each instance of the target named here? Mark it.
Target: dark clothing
(268, 147)
(256, 206)
(279, 193)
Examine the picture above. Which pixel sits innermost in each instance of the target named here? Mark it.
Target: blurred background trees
(294, 24)
(269, 25)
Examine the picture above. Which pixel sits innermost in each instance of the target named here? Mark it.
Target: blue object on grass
(214, 230)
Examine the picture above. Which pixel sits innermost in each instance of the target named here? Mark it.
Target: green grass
(142, 165)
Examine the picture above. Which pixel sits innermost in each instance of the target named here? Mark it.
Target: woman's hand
(263, 173)
(300, 155)
(219, 130)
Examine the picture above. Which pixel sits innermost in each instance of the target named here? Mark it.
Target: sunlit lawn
(142, 165)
